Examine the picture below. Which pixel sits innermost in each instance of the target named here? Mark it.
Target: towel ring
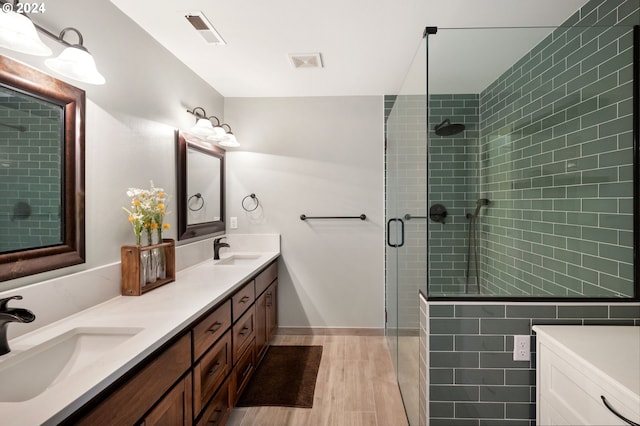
(199, 197)
(255, 200)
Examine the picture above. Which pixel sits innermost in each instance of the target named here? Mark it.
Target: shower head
(447, 129)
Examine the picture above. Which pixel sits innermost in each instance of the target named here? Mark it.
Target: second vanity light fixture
(20, 34)
(206, 129)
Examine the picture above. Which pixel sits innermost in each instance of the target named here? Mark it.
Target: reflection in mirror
(203, 186)
(200, 169)
(32, 202)
(41, 172)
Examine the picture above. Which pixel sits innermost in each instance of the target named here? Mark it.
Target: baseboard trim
(321, 331)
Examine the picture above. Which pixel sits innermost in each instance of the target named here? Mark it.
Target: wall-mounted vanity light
(19, 33)
(206, 129)
(229, 139)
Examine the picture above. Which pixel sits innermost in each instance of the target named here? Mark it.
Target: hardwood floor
(356, 386)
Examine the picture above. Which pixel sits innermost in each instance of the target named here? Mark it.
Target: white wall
(130, 123)
(318, 156)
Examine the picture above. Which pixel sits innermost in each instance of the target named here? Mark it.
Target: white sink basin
(27, 374)
(238, 259)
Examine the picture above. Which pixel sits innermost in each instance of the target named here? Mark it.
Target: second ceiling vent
(305, 60)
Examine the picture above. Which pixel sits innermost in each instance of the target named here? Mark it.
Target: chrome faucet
(8, 315)
(217, 245)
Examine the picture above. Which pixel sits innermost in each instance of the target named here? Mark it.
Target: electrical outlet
(521, 348)
(233, 222)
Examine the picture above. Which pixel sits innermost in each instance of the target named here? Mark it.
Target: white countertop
(161, 313)
(612, 351)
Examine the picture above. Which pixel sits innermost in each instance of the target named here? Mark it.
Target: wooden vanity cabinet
(199, 376)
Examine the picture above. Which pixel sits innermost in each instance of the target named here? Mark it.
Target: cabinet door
(128, 404)
(272, 310)
(261, 325)
(174, 409)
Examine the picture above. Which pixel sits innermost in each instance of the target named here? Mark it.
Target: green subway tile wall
(472, 376)
(554, 157)
(550, 144)
(30, 154)
(454, 183)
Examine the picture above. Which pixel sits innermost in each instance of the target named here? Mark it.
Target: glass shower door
(406, 254)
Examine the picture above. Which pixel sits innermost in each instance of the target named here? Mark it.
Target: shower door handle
(401, 243)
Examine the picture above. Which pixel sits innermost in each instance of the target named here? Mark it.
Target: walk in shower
(510, 170)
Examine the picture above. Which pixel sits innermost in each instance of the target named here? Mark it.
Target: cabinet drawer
(243, 333)
(570, 395)
(219, 409)
(210, 329)
(243, 371)
(243, 299)
(266, 277)
(211, 370)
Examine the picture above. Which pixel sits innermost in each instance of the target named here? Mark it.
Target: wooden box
(131, 267)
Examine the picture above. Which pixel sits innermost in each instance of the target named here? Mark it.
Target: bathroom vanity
(588, 375)
(183, 352)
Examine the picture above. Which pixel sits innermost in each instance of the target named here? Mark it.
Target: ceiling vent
(204, 28)
(305, 60)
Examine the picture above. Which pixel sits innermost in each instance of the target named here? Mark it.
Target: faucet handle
(217, 240)
(5, 301)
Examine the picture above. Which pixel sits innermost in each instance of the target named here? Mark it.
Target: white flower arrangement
(147, 211)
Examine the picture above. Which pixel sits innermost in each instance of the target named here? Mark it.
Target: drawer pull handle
(244, 330)
(213, 369)
(268, 299)
(246, 371)
(215, 327)
(214, 421)
(620, 416)
(244, 299)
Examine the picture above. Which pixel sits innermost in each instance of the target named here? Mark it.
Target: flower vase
(162, 263)
(157, 263)
(144, 269)
(152, 267)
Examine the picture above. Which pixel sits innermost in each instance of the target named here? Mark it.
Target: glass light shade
(18, 33)
(218, 134)
(202, 128)
(77, 64)
(229, 141)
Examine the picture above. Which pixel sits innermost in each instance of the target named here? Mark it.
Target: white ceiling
(367, 46)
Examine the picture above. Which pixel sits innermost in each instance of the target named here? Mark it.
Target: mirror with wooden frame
(41, 172)
(200, 177)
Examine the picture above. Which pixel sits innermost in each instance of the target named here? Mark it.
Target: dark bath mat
(286, 378)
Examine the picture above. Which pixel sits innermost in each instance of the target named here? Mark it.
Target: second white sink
(238, 259)
(29, 373)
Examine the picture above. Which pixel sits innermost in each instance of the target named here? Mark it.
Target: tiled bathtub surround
(472, 376)
(555, 159)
